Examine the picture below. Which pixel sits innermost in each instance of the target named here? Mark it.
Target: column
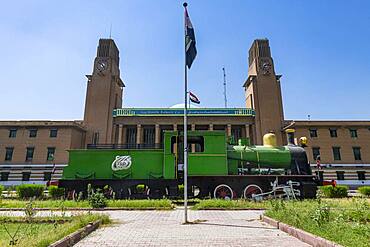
(193, 145)
(247, 132)
(124, 135)
(157, 139)
(175, 127)
(228, 131)
(138, 134)
(119, 134)
(210, 127)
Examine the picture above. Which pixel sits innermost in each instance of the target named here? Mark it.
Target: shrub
(30, 190)
(55, 192)
(1, 190)
(97, 199)
(365, 190)
(181, 189)
(338, 191)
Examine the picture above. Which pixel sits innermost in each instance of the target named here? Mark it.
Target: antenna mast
(225, 97)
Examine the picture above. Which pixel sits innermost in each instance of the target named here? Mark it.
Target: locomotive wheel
(223, 191)
(156, 193)
(251, 189)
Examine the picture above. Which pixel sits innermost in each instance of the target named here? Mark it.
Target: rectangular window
(26, 176)
(12, 133)
(198, 141)
(29, 153)
(50, 154)
(53, 133)
(236, 133)
(4, 176)
(313, 132)
(353, 133)
(315, 152)
(333, 132)
(131, 137)
(361, 175)
(149, 136)
(9, 153)
(336, 153)
(320, 174)
(47, 176)
(340, 175)
(33, 133)
(357, 153)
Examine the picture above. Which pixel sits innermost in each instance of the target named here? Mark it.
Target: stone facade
(39, 135)
(339, 137)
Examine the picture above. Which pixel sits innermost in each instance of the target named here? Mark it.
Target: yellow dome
(269, 140)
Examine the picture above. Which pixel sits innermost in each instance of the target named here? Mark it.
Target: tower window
(29, 153)
(12, 133)
(357, 153)
(336, 153)
(333, 132)
(313, 132)
(33, 133)
(96, 138)
(315, 152)
(53, 133)
(353, 133)
(9, 153)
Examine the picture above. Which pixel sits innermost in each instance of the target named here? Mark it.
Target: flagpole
(185, 136)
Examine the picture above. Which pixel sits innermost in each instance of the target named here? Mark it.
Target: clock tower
(104, 93)
(263, 92)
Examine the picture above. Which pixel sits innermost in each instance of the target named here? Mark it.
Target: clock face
(101, 65)
(266, 67)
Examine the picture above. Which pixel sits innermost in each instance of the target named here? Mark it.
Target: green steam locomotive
(217, 168)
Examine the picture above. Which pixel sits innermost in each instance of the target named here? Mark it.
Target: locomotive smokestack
(290, 136)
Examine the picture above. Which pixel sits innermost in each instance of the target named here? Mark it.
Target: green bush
(181, 189)
(25, 191)
(1, 190)
(338, 191)
(55, 192)
(97, 199)
(365, 190)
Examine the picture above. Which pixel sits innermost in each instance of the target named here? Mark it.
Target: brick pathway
(164, 228)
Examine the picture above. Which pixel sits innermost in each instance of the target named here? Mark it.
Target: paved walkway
(164, 228)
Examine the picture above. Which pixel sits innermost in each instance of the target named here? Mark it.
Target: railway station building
(37, 150)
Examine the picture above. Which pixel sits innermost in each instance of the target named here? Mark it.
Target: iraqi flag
(193, 98)
(190, 49)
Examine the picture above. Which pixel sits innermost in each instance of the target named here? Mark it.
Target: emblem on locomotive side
(121, 163)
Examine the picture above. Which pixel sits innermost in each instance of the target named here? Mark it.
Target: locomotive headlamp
(303, 141)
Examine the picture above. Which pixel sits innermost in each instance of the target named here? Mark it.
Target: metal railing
(124, 146)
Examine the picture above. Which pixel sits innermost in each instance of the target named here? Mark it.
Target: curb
(86, 209)
(229, 209)
(76, 236)
(304, 236)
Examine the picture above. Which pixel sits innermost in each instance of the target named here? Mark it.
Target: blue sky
(322, 49)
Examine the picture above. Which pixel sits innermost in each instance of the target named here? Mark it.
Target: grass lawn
(162, 204)
(229, 204)
(344, 221)
(43, 234)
